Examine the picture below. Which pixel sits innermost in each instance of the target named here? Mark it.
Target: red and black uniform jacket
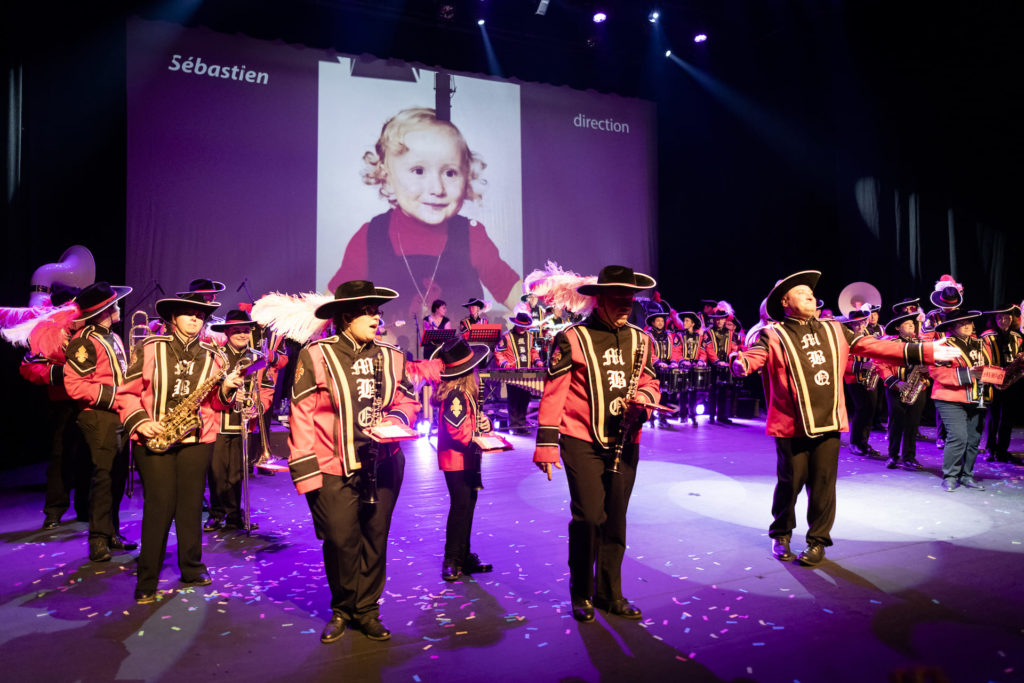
(41, 371)
(668, 346)
(96, 368)
(467, 321)
(231, 420)
(455, 448)
(1003, 347)
(689, 345)
(952, 381)
(166, 370)
(855, 366)
(518, 350)
(892, 374)
(718, 345)
(332, 405)
(588, 374)
(803, 367)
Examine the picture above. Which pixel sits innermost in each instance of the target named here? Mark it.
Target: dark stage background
(873, 140)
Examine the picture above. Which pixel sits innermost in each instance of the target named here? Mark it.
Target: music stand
(436, 338)
(484, 334)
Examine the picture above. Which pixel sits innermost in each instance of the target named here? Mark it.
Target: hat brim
(652, 316)
(520, 323)
(691, 315)
(165, 308)
(223, 327)
(380, 295)
(936, 301)
(120, 292)
(774, 298)
(640, 282)
(475, 302)
(480, 353)
(952, 322)
(909, 302)
(1012, 310)
(892, 326)
(217, 287)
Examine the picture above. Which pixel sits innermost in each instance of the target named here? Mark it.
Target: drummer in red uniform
(518, 348)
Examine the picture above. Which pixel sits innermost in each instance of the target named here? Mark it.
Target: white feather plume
(19, 334)
(291, 315)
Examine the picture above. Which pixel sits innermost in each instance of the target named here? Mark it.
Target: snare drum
(724, 377)
(699, 378)
(667, 379)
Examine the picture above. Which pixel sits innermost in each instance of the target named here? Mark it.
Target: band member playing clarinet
(803, 360)
(906, 389)
(344, 385)
(600, 374)
(171, 380)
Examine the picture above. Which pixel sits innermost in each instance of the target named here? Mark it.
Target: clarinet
(375, 412)
(626, 427)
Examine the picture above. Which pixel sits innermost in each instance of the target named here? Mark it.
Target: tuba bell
(76, 268)
(856, 294)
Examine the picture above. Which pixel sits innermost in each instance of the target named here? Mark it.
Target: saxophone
(185, 416)
(869, 377)
(916, 381)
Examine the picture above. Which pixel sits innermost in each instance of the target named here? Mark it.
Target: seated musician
(518, 349)
(475, 308)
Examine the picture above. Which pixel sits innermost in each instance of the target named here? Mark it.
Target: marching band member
(475, 309)
(690, 347)
(717, 343)
(947, 296)
(1004, 344)
(903, 417)
(93, 376)
(803, 359)
(168, 371)
(518, 349)
(343, 383)
(668, 348)
(856, 379)
(960, 398)
(593, 367)
(905, 306)
(225, 473)
(457, 456)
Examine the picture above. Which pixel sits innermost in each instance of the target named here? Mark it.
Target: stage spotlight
(480, 22)
(700, 37)
(542, 7)
(700, 409)
(653, 17)
(668, 53)
(599, 17)
(423, 428)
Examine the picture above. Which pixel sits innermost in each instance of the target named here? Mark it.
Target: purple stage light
(700, 409)
(700, 37)
(599, 17)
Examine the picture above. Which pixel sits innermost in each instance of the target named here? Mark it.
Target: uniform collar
(183, 342)
(348, 342)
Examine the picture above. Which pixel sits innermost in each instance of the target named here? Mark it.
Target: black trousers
(903, 422)
(687, 404)
(518, 403)
(463, 488)
(225, 476)
(173, 484)
(999, 421)
(597, 531)
(863, 412)
(355, 536)
(102, 432)
(810, 462)
(70, 466)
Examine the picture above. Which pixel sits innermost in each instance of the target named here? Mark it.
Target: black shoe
(780, 549)
(374, 629)
(144, 597)
(473, 565)
(621, 608)
(971, 483)
(583, 611)
(234, 523)
(51, 523)
(119, 542)
(724, 421)
(334, 629)
(892, 463)
(450, 570)
(99, 549)
(857, 450)
(202, 580)
(212, 524)
(949, 484)
(912, 465)
(813, 555)
(872, 451)
(693, 421)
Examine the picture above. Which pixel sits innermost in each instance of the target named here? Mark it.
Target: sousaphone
(856, 294)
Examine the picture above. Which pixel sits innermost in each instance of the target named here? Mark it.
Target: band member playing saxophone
(906, 390)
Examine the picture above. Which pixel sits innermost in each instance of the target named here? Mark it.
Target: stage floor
(919, 581)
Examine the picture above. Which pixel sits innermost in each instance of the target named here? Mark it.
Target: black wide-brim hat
(774, 298)
(234, 318)
(458, 357)
(476, 302)
(61, 293)
(203, 286)
(166, 308)
(947, 298)
(98, 297)
(353, 292)
(692, 316)
(906, 302)
(856, 315)
(617, 276)
(656, 314)
(893, 326)
(526, 296)
(957, 316)
(521, 319)
(1012, 309)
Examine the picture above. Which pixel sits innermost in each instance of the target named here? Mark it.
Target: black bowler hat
(617, 276)
(893, 326)
(459, 357)
(353, 292)
(98, 297)
(235, 318)
(168, 308)
(203, 285)
(61, 293)
(774, 298)
(521, 319)
(957, 316)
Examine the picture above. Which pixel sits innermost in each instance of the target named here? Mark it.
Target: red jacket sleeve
(552, 401)
(306, 399)
(38, 370)
(497, 276)
(84, 374)
(355, 263)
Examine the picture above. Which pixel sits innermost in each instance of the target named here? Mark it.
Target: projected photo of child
(426, 243)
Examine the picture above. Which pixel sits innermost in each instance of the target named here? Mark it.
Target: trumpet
(138, 330)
